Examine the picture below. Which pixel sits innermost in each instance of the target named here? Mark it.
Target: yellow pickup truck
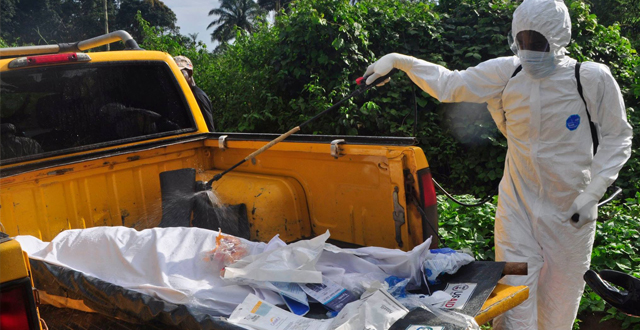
(88, 136)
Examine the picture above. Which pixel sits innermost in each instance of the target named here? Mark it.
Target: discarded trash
(397, 286)
(397, 262)
(261, 315)
(358, 283)
(436, 319)
(328, 293)
(294, 263)
(228, 250)
(377, 310)
(294, 297)
(440, 261)
(437, 298)
(374, 311)
(398, 289)
(272, 274)
(460, 294)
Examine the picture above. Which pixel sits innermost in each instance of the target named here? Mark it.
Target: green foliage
(276, 5)
(157, 38)
(467, 227)
(617, 247)
(154, 11)
(231, 15)
(624, 12)
(49, 21)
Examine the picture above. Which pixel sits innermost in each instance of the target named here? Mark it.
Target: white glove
(586, 204)
(586, 207)
(382, 66)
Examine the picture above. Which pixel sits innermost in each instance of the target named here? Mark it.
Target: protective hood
(548, 17)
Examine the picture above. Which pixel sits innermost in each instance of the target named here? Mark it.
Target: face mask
(537, 64)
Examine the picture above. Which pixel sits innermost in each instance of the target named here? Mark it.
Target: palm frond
(233, 14)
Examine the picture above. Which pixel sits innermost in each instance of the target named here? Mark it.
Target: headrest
(8, 129)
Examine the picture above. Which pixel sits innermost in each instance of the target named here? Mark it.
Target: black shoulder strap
(594, 133)
(518, 69)
(592, 126)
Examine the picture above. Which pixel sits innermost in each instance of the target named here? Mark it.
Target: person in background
(203, 100)
(568, 137)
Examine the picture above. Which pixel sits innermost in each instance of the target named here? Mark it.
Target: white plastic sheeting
(175, 264)
(167, 263)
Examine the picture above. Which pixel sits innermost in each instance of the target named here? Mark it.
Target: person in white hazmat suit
(551, 172)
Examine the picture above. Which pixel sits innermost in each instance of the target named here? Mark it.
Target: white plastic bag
(412, 301)
(378, 260)
(374, 311)
(294, 263)
(440, 261)
(397, 287)
(459, 319)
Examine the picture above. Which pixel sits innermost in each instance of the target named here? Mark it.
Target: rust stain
(60, 171)
(123, 215)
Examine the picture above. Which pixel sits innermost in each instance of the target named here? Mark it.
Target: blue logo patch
(573, 122)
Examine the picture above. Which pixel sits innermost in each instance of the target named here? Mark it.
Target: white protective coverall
(550, 170)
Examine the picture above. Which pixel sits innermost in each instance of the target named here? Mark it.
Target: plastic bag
(359, 283)
(398, 263)
(374, 311)
(440, 261)
(228, 250)
(397, 287)
(412, 301)
(459, 319)
(294, 263)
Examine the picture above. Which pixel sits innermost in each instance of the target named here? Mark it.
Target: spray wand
(363, 87)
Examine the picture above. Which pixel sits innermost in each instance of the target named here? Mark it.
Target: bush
(617, 247)
(467, 227)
